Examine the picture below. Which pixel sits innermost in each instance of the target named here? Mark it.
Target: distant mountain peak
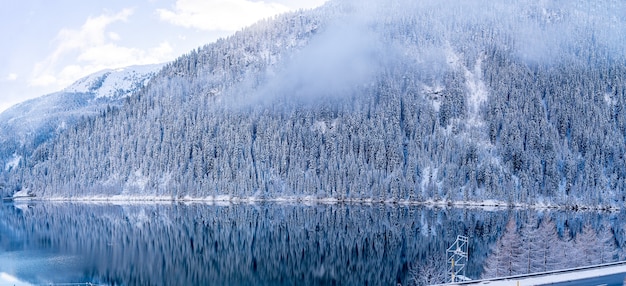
(115, 83)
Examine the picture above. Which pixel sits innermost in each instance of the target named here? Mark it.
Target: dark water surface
(244, 244)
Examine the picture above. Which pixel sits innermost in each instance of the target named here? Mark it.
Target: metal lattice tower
(457, 259)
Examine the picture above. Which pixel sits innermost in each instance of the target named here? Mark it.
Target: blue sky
(47, 45)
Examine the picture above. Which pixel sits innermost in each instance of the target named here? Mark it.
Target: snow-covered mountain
(115, 83)
(28, 124)
(517, 102)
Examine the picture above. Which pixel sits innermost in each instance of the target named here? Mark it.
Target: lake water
(258, 244)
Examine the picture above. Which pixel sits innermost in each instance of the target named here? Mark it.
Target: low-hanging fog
(365, 39)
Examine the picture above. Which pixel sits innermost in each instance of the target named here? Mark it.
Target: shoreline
(308, 200)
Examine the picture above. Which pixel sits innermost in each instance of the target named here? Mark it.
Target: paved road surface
(609, 280)
(605, 274)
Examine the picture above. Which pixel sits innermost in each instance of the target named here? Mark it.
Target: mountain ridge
(26, 125)
(115, 83)
(455, 101)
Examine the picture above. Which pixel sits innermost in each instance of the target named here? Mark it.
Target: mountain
(115, 84)
(25, 126)
(520, 102)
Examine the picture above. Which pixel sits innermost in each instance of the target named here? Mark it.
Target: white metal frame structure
(457, 255)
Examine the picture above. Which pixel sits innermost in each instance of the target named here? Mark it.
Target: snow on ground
(476, 87)
(555, 276)
(487, 205)
(21, 193)
(8, 279)
(477, 93)
(120, 82)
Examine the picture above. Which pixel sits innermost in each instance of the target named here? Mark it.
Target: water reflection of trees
(296, 244)
(537, 246)
(249, 244)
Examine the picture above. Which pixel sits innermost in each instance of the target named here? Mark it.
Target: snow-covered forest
(521, 102)
(29, 124)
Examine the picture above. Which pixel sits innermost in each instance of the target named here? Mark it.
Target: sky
(47, 45)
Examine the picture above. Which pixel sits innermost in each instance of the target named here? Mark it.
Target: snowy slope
(26, 125)
(115, 83)
(371, 100)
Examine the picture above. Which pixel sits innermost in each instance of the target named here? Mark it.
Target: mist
(346, 55)
(333, 64)
(370, 37)
(361, 40)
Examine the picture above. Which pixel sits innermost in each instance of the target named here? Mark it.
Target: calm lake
(270, 244)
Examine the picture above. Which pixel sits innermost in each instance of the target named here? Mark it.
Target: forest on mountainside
(27, 125)
(458, 101)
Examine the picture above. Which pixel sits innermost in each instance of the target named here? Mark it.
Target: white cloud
(11, 77)
(304, 4)
(92, 33)
(92, 48)
(43, 80)
(219, 15)
(114, 36)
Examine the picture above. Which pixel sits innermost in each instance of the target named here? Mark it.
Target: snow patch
(62, 126)
(22, 192)
(14, 162)
(609, 100)
(429, 176)
(164, 181)
(477, 93)
(322, 127)
(476, 87)
(319, 126)
(137, 181)
(433, 95)
(8, 279)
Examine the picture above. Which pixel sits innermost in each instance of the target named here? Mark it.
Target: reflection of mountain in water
(245, 244)
(257, 244)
